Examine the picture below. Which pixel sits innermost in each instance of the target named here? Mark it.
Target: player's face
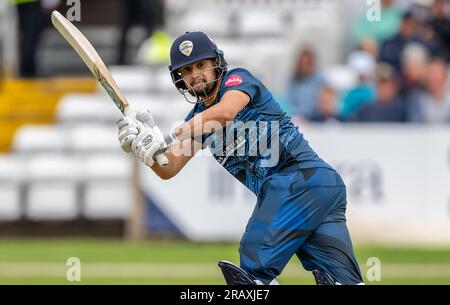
(200, 76)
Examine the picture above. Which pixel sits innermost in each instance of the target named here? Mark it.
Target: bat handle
(170, 139)
(162, 160)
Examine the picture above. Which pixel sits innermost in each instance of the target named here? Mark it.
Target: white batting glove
(149, 141)
(127, 130)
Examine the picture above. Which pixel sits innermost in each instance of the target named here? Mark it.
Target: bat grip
(162, 160)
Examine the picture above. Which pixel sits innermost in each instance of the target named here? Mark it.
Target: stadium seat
(331, 47)
(234, 51)
(215, 22)
(132, 79)
(260, 22)
(156, 104)
(162, 81)
(52, 188)
(39, 138)
(93, 138)
(165, 108)
(271, 65)
(85, 108)
(108, 186)
(11, 176)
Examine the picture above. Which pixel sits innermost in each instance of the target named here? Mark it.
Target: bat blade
(93, 61)
(90, 57)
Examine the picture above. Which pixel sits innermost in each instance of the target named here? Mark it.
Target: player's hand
(146, 119)
(127, 130)
(149, 140)
(146, 145)
(129, 127)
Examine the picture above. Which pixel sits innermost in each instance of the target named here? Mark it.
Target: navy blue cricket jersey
(261, 139)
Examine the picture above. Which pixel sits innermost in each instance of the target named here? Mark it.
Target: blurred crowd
(400, 64)
(34, 16)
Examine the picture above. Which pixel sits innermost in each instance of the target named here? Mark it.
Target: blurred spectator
(364, 28)
(304, 86)
(327, 105)
(370, 46)
(156, 49)
(363, 65)
(433, 106)
(403, 5)
(31, 20)
(388, 106)
(440, 24)
(415, 64)
(414, 61)
(421, 10)
(149, 13)
(392, 48)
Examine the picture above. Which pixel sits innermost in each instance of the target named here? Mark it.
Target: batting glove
(149, 141)
(127, 130)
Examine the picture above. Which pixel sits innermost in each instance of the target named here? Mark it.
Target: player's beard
(205, 89)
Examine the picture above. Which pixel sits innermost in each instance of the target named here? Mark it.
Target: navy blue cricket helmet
(192, 47)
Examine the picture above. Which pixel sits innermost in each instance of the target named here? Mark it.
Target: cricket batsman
(301, 200)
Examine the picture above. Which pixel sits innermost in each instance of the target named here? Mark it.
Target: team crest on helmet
(186, 47)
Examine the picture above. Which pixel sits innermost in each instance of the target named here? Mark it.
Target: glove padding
(146, 145)
(141, 136)
(128, 131)
(150, 139)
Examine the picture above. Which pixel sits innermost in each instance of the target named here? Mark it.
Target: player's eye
(186, 71)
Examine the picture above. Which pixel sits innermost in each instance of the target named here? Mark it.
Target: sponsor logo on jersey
(186, 47)
(233, 80)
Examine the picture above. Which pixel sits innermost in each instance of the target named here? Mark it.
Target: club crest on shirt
(233, 80)
(186, 47)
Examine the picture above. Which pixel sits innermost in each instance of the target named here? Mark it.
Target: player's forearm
(178, 156)
(168, 171)
(210, 120)
(215, 117)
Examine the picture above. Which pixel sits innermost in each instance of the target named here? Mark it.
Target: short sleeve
(189, 116)
(243, 80)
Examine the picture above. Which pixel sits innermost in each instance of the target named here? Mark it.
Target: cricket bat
(93, 61)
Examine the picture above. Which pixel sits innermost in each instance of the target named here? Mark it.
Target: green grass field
(176, 262)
